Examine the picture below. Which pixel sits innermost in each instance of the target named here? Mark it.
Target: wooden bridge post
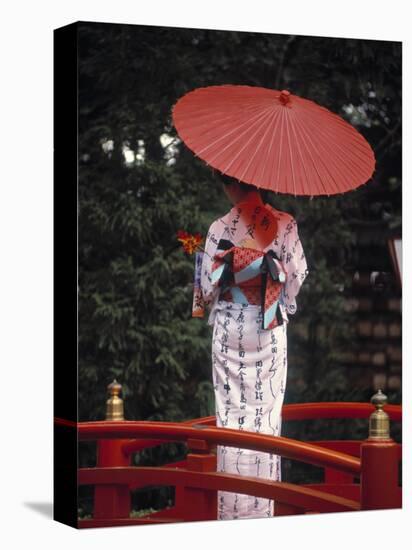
(379, 462)
(192, 503)
(112, 501)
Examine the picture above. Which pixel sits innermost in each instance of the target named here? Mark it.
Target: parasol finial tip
(284, 97)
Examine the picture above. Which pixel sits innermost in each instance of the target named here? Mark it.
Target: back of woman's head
(228, 180)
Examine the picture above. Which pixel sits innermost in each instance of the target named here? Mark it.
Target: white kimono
(250, 364)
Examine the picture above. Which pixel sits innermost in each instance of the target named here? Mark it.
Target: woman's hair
(228, 180)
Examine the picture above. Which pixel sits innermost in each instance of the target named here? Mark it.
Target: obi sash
(236, 266)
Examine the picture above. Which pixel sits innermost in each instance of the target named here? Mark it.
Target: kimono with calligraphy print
(249, 364)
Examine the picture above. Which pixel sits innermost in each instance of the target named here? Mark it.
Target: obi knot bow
(238, 268)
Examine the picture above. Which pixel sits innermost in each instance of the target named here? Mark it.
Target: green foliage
(135, 291)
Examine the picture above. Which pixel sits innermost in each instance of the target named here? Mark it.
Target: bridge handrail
(304, 411)
(330, 410)
(286, 447)
(173, 431)
(286, 493)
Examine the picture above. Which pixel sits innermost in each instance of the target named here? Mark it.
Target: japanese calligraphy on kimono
(250, 292)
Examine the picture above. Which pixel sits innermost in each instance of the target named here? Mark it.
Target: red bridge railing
(374, 462)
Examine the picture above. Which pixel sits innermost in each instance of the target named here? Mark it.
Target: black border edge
(65, 295)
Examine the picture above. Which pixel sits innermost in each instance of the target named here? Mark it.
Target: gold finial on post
(114, 405)
(379, 419)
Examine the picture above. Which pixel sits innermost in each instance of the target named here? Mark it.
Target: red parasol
(274, 140)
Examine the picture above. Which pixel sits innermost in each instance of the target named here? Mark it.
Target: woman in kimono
(249, 344)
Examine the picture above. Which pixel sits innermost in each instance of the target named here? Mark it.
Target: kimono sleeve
(209, 291)
(294, 261)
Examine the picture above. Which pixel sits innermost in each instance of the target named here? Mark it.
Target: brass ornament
(379, 427)
(114, 405)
